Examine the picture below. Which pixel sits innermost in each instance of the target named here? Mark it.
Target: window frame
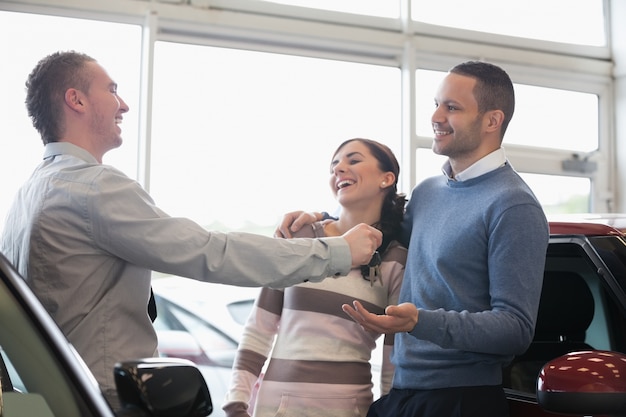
(249, 24)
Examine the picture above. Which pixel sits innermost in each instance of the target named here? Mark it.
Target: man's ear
(74, 99)
(494, 119)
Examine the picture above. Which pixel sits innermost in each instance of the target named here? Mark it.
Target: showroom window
(242, 137)
(381, 8)
(554, 20)
(540, 121)
(116, 46)
(558, 194)
(541, 117)
(245, 113)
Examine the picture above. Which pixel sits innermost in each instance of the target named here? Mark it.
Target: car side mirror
(584, 383)
(162, 387)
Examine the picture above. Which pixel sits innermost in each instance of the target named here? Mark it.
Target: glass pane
(557, 194)
(241, 137)
(381, 8)
(207, 336)
(560, 194)
(529, 125)
(116, 46)
(426, 84)
(554, 20)
(428, 164)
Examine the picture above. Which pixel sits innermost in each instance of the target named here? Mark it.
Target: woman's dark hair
(394, 203)
(45, 90)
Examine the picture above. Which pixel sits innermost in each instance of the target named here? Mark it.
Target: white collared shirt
(486, 164)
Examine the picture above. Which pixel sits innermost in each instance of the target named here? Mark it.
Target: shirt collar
(486, 164)
(66, 148)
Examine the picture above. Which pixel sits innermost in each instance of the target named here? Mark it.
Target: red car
(582, 309)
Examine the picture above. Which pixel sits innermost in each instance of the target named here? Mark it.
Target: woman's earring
(383, 184)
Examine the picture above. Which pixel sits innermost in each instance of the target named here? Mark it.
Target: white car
(202, 322)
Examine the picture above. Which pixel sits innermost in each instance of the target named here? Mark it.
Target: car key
(371, 271)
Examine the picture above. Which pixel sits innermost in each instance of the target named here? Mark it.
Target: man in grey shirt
(86, 237)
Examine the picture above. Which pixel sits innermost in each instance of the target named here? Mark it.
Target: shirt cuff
(340, 256)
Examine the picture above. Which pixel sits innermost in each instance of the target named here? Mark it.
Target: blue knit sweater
(474, 270)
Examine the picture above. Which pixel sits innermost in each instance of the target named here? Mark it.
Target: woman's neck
(348, 219)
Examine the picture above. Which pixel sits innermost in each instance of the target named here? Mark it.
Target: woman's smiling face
(356, 174)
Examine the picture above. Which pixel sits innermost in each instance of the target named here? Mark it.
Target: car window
(579, 310)
(173, 317)
(35, 382)
(613, 254)
(240, 310)
(9, 378)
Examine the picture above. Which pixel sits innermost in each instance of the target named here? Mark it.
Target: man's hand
(400, 318)
(294, 221)
(363, 241)
(362, 238)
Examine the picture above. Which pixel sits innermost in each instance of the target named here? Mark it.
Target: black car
(43, 376)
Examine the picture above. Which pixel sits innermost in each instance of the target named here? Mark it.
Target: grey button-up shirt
(86, 237)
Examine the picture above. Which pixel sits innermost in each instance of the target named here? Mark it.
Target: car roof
(588, 224)
(209, 301)
(207, 294)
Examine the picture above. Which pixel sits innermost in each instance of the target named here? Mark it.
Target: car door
(582, 308)
(41, 373)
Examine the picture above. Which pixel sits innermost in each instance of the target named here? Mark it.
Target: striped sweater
(320, 358)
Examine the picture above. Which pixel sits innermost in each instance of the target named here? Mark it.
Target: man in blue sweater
(477, 243)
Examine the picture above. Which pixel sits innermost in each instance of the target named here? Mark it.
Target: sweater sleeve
(254, 348)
